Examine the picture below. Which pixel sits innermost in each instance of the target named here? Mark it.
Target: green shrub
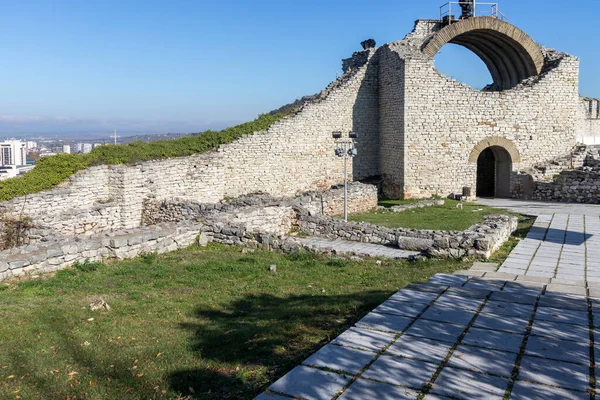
(52, 170)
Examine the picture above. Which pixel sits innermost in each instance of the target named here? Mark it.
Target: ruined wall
(445, 120)
(296, 154)
(588, 121)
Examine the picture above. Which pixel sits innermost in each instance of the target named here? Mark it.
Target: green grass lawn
(446, 217)
(211, 323)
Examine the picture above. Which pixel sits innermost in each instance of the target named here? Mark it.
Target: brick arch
(495, 141)
(509, 53)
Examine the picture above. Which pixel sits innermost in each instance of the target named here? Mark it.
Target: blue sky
(185, 66)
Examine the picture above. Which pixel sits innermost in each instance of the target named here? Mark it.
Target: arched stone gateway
(495, 141)
(494, 166)
(509, 53)
(494, 157)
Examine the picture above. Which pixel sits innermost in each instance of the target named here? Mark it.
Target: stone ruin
(420, 133)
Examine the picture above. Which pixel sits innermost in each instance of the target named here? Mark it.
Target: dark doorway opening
(494, 166)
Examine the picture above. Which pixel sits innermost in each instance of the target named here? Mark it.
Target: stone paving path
(478, 334)
(531, 207)
(355, 248)
(559, 246)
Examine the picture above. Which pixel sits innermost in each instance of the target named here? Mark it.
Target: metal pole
(474, 8)
(345, 183)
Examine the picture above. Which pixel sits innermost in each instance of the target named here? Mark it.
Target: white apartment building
(13, 159)
(66, 148)
(13, 152)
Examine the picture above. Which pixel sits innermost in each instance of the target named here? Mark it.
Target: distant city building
(13, 152)
(66, 148)
(97, 145)
(87, 147)
(31, 145)
(13, 159)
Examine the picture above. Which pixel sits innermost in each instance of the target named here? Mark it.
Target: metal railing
(453, 11)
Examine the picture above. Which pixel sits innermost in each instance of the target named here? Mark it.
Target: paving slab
(562, 315)
(426, 287)
(566, 289)
(495, 340)
(407, 309)
(523, 390)
(482, 266)
(419, 348)
(451, 315)
(501, 323)
(323, 384)
(364, 339)
(506, 308)
(462, 384)
(521, 297)
(469, 272)
(415, 296)
(567, 282)
(527, 278)
(456, 302)
(564, 302)
(401, 371)
(267, 396)
(436, 330)
(555, 373)
(558, 330)
(557, 349)
(340, 359)
(468, 292)
(500, 275)
(448, 279)
(477, 359)
(363, 389)
(384, 322)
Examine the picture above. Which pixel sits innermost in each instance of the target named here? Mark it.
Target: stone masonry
(419, 132)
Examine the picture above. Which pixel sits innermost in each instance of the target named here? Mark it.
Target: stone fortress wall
(295, 155)
(418, 129)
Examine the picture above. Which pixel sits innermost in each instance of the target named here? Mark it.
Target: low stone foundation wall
(62, 251)
(480, 240)
(361, 198)
(581, 185)
(250, 222)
